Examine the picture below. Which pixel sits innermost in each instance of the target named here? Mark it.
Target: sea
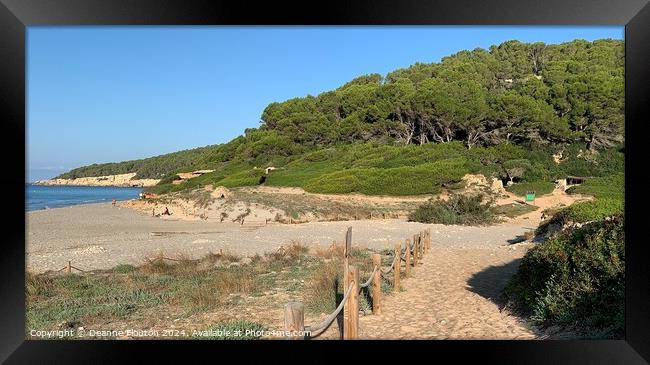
(46, 197)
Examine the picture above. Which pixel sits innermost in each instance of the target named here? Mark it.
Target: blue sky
(104, 94)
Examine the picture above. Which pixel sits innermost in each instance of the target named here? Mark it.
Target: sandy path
(453, 294)
(556, 199)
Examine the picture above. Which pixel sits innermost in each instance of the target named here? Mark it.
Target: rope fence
(294, 312)
(372, 276)
(69, 267)
(320, 328)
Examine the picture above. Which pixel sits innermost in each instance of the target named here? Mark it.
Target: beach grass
(539, 187)
(297, 205)
(215, 282)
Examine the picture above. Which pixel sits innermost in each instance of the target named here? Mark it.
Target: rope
(364, 285)
(391, 268)
(389, 280)
(317, 330)
(162, 258)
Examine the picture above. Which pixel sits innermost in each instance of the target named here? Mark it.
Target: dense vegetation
(458, 209)
(152, 167)
(504, 112)
(576, 278)
(608, 192)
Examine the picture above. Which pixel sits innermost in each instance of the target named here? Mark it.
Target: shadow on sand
(491, 282)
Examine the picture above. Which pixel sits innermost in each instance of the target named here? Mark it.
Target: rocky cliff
(124, 180)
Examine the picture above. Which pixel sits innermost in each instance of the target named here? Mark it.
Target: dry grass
(324, 285)
(335, 250)
(38, 285)
(200, 197)
(216, 282)
(288, 254)
(296, 206)
(243, 215)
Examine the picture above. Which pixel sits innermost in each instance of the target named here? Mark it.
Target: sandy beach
(100, 236)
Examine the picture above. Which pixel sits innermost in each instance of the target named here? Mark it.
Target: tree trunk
(436, 136)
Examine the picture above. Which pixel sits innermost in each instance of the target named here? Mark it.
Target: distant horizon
(111, 94)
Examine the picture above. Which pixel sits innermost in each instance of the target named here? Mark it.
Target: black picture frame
(16, 15)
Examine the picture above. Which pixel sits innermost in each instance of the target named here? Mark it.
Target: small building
(575, 180)
(570, 181)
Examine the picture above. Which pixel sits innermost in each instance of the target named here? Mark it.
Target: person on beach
(113, 202)
(166, 212)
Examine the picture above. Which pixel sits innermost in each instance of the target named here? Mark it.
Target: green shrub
(611, 186)
(243, 178)
(539, 187)
(408, 180)
(575, 277)
(458, 209)
(379, 169)
(589, 211)
(606, 162)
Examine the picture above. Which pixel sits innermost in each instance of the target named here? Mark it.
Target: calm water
(44, 197)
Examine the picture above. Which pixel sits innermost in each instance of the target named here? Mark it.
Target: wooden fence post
(353, 304)
(421, 243)
(346, 268)
(408, 257)
(294, 319)
(398, 266)
(376, 284)
(69, 268)
(424, 242)
(415, 250)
